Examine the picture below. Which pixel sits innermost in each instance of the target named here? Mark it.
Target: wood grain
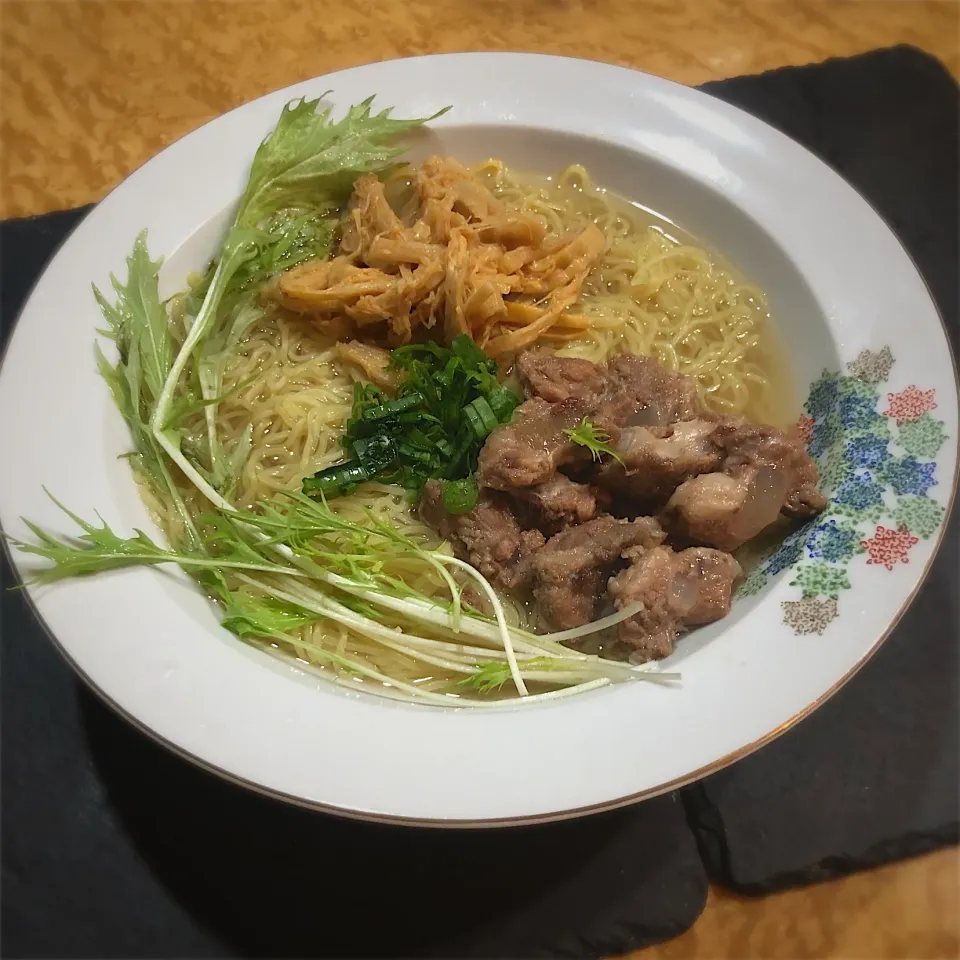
(907, 911)
(89, 90)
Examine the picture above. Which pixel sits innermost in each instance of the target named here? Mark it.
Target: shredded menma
(355, 586)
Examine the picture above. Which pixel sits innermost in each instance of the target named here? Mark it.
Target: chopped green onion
(503, 402)
(476, 424)
(482, 417)
(433, 428)
(423, 457)
(460, 496)
(448, 373)
(375, 453)
(381, 412)
(338, 480)
(466, 349)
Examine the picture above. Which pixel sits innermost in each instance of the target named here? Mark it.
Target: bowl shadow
(271, 879)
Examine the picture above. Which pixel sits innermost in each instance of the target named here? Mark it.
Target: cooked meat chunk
(629, 391)
(677, 590)
(473, 597)
(556, 378)
(725, 510)
(531, 448)
(656, 460)
(757, 445)
(710, 578)
(805, 499)
(659, 397)
(764, 472)
(488, 536)
(571, 571)
(556, 503)
(632, 390)
(716, 481)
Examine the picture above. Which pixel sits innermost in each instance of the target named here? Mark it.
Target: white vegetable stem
(158, 421)
(501, 619)
(433, 613)
(597, 625)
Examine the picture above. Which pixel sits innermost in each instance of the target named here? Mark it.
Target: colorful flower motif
(859, 412)
(830, 541)
(835, 467)
(804, 428)
(868, 451)
(859, 498)
(890, 547)
(824, 396)
(755, 582)
(908, 475)
(851, 385)
(821, 579)
(921, 514)
(809, 615)
(860, 492)
(872, 367)
(788, 553)
(922, 437)
(909, 404)
(855, 448)
(824, 434)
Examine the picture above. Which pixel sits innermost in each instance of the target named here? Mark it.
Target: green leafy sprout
(294, 561)
(596, 440)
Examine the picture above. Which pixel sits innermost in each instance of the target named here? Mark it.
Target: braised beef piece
(630, 391)
(654, 461)
(726, 510)
(645, 393)
(677, 590)
(758, 445)
(554, 378)
(764, 472)
(557, 503)
(488, 536)
(571, 571)
(532, 447)
(716, 481)
(640, 392)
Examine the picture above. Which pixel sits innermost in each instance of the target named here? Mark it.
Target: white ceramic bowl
(882, 422)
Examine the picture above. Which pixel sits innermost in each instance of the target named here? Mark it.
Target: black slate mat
(873, 775)
(114, 847)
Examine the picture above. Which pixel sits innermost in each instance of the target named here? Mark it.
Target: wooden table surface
(90, 89)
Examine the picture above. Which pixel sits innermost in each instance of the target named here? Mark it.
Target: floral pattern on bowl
(876, 454)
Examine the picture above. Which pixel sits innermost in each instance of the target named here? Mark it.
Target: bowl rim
(629, 77)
